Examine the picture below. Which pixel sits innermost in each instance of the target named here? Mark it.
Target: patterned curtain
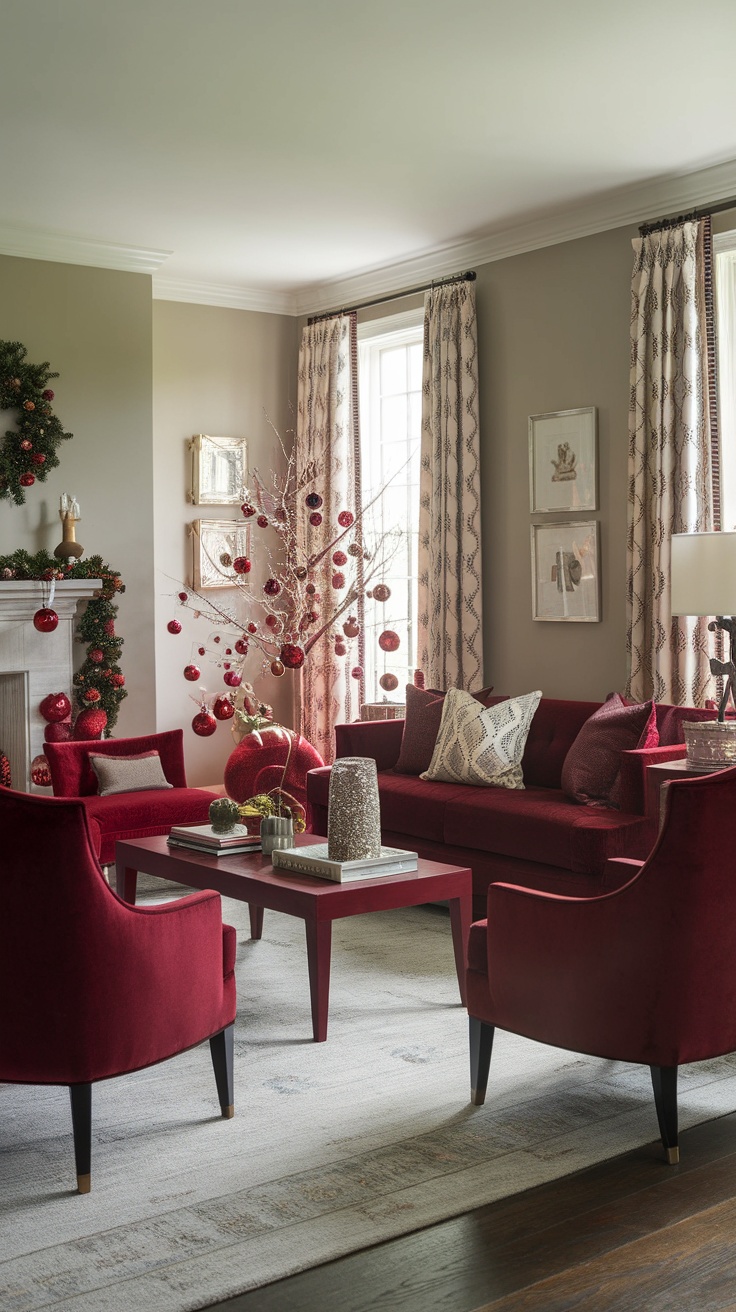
(450, 636)
(327, 441)
(670, 470)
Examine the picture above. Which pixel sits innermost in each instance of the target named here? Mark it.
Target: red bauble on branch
(222, 708)
(204, 724)
(45, 620)
(291, 656)
(55, 707)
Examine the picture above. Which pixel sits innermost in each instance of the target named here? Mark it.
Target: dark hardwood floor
(627, 1235)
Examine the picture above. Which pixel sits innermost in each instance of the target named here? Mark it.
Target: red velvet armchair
(91, 987)
(134, 814)
(643, 974)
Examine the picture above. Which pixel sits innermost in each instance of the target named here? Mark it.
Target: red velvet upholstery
(646, 973)
(129, 815)
(91, 987)
(257, 764)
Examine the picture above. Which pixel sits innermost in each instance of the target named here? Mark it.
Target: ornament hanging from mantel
(28, 451)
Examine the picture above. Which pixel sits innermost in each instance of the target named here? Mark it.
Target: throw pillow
(592, 769)
(128, 774)
(421, 726)
(482, 744)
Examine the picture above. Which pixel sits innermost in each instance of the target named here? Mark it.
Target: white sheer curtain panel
(670, 474)
(450, 634)
(326, 442)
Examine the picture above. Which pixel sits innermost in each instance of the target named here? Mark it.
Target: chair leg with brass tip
(481, 1046)
(664, 1083)
(221, 1048)
(81, 1100)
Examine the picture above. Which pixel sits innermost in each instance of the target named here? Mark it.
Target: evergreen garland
(28, 451)
(100, 683)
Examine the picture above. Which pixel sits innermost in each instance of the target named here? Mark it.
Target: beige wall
(553, 329)
(94, 327)
(226, 373)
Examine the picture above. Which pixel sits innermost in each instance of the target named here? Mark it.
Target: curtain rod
(468, 276)
(701, 213)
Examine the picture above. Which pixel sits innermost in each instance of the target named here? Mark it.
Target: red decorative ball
(310, 589)
(40, 773)
(241, 647)
(345, 518)
(109, 628)
(313, 500)
(277, 668)
(291, 656)
(91, 695)
(58, 733)
(339, 558)
(200, 651)
(222, 708)
(174, 626)
(257, 764)
(118, 680)
(183, 596)
(27, 480)
(251, 626)
(90, 723)
(381, 592)
(389, 641)
(357, 672)
(262, 521)
(388, 682)
(48, 395)
(204, 724)
(273, 622)
(96, 656)
(38, 458)
(29, 405)
(315, 519)
(272, 587)
(338, 581)
(26, 445)
(192, 673)
(45, 620)
(340, 648)
(241, 565)
(351, 627)
(232, 679)
(248, 509)
(56, 707)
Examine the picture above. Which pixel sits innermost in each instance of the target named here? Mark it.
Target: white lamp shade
(703, 574)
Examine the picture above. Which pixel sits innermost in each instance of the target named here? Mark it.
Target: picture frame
(566, 571)
(563, 461)
(213, 539)
(219, 470)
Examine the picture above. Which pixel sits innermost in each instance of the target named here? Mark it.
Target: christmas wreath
(100, 683)
(28, 452)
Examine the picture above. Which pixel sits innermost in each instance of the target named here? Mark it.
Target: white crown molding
(226, 295)
(66, 248)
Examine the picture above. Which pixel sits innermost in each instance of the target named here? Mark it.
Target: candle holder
(69, 516)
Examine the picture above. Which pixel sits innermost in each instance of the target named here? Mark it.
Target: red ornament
(273, 623)
(26, 445)
(29, 405)
(262, 521)
(174, 626)
(272, 587)
(351, 627)
(91, 695)
(201, 651)
(251, 627)
(381, 592)
(204, 724)
(217, 638)
(315, 519)
(345, 518)
(109, 628)
(45, 620)
(241, 565)
(232, 679)
(56, 707)
(48, 395)
(27, 480)
(192, 673)
(268, 758)
(38, 458)
(310, 589)
(388, 682)
(226, 665)
(57, 733)
(292, 656)
(313, 500)
(277, 668)
(96, 656)
(241, 647)
(357, 672)
(340, 648)
(183, 596)
(90, 723)
(339, 558)
(248, 509)
(389, 641)
(338, 581)
(222, 708)
(40, 773)
(118, 680)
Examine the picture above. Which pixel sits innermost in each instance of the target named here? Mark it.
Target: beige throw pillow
(128, 774)
(482, 745)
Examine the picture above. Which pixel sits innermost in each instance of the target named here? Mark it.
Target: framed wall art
(566, 571)
(215, 545)
(563, 460)
(219, 470)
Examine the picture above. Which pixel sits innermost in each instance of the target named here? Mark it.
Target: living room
(142, 368)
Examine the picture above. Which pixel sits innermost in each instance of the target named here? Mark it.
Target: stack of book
(203, 838)
(315, 860)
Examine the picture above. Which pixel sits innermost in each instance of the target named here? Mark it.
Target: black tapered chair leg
(81, 1100)
(221, 1047)
(664, 1082)
(481, 1046)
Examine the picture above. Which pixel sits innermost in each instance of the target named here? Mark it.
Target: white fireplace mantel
(33, 664)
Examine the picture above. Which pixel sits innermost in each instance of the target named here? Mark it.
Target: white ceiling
(285, 155)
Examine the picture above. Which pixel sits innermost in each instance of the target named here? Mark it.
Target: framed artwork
(566, 571)
(219, 470)
(562, 460)
(215, 545)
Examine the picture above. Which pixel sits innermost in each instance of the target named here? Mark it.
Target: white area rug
(334, 1146)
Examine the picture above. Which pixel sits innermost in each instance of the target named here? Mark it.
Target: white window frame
(724, 254)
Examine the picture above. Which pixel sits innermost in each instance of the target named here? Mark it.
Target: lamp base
(710, 744)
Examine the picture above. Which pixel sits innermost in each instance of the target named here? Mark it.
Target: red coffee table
(252, 879)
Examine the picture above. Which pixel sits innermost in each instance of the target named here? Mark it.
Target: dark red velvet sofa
(535, 836)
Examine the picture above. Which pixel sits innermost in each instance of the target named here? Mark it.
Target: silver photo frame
(563, 473)
(215, 545)
(566, 572)
(219, 470)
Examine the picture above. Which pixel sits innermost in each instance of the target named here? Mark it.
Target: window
(724, 247)
(390, 362)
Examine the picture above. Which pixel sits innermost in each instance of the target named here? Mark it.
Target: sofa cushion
(141, 772)
(482, 745)
(592, 770)
(422, 724)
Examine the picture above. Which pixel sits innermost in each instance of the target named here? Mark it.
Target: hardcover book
(206, 836)
(315, 860)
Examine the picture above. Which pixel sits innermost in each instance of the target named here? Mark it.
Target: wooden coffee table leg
(461, 914)
(126, 882)
(319, 947)
(256, 920)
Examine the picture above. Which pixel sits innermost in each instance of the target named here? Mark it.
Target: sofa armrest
(634, 773)
(380, 739)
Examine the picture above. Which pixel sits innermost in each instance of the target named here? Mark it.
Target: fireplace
(33, 664)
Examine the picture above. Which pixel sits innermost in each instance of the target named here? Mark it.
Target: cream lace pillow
(482, 745)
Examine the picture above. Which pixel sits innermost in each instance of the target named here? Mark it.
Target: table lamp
(703, 582)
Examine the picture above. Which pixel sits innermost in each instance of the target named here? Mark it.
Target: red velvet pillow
(422, 724)
(592, 770)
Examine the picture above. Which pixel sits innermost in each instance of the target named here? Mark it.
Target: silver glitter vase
(354, 813)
